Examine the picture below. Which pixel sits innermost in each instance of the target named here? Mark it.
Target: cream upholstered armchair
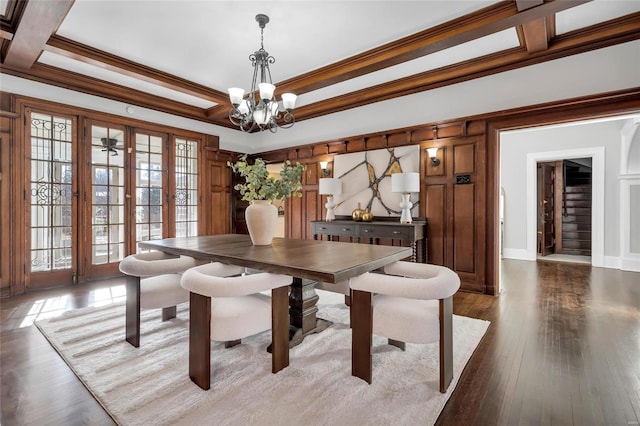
(413, 303)
(228, 309)
(152, 282)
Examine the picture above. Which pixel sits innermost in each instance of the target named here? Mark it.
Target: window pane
(186, 195)
(51, 192)
(107, 155)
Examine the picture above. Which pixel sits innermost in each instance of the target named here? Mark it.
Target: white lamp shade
(266, 91)
(262, 115)
(235, 95)
(324, 164)
(433, 152)
(289, 100)
(405, 182)
(274, 108)
(244, 107)
(330, 186)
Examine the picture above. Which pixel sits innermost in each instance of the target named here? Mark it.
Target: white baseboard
(630, 264)
(517, 254)
(612, 262)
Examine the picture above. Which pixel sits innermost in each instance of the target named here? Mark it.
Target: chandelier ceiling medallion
(260, 110)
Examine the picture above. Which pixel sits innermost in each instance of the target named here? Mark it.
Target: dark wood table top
(308, 259)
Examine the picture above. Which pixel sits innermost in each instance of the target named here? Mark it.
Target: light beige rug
(151, 385)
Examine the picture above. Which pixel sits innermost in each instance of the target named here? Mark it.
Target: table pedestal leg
(302, 311)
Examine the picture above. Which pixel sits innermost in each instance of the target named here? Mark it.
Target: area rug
(151, 385)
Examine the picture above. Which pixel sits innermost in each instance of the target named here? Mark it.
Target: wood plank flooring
(563, 348)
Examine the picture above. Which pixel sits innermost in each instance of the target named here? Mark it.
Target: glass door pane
(150, 194)
(186, 172)
(107, 209)
(51, 206)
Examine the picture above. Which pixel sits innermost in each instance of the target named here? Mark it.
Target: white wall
(515, 146)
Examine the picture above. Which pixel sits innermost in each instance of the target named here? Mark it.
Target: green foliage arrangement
(260, 186)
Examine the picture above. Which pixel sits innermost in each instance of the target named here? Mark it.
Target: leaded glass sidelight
(149, 187)
(51, 192)
(186, 196)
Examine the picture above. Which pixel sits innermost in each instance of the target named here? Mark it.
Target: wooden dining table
(308, 262)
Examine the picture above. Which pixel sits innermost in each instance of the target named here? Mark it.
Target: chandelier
(261, 109)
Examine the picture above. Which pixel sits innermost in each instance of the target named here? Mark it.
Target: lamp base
(330, 206)
(406, 205)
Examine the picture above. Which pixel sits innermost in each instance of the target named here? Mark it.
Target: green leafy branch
(260, 186)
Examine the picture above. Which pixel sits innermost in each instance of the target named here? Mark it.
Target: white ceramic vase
(261, 217)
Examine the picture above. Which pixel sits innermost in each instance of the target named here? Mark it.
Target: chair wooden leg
(132, 312)
(200, 340)
(398, 344)
(169, 313)
(279, 328)
(361, 329)
(446, 343)
(231, 343)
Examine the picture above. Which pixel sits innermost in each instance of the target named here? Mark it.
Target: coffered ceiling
(179, 57)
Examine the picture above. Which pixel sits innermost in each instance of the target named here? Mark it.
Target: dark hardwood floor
(563, 348)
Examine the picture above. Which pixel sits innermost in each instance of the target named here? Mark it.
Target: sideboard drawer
(335, 229)
(395, 232)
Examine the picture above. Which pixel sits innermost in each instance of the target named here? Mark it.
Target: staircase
(576, 210)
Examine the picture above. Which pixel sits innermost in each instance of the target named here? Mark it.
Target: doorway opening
(564, 210)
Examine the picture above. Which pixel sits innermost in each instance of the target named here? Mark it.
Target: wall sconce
(405, 183)
(330, 187)
(433, 154)
(323, 167)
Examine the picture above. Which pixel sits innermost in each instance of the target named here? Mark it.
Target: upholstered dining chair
(228, 309)
(152, 282)
(413, 302)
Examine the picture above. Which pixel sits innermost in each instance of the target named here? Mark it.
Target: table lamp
(330, 187)
(405, 183)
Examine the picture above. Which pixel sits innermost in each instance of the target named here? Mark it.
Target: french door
(128, 194)
(95, 194)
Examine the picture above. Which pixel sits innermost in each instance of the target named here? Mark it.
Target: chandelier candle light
(261, 109)
(330, 187)
(405, 183)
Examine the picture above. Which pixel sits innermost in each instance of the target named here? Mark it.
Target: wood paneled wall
(218, 199)
(455, 211)
(8, 120)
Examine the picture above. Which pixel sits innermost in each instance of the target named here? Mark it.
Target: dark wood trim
(603, 35)
(73, 81)
(478, 24)
(38, 21)
(486, 21)
(15, 9)
(89, 55)
(535, 35)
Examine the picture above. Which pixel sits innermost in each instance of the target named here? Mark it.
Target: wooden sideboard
(372, 232)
